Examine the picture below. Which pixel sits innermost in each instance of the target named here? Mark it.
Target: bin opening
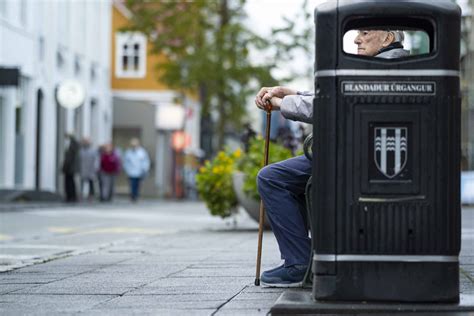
(367, 38)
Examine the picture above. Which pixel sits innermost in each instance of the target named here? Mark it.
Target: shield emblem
(390, 150)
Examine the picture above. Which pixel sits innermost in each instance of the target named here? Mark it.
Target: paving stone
(37, 278)
(194, 297)
(102, 258)
(257, 289)
(85, 287)
(13, 304)
(251, 304)
(158, 302)
(148, 273)
(469, 260)
(259, 296)
(468, 269)
(9, 288)
(216, 272)
(186, 290)
(242, 311)
(49, 268)
(149, 311)
(203, 281)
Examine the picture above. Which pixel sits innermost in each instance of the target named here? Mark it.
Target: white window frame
(130, 39)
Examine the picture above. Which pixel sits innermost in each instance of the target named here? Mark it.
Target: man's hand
(275, 103)
(272, 95)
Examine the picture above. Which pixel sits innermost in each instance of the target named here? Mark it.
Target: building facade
(146, 109)
(467, 84)
(48, 42)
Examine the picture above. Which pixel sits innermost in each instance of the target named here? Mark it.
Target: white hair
(399, 36)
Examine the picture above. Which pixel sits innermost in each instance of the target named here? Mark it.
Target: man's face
(370, 42)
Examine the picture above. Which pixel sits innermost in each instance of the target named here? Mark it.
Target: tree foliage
(207, 47)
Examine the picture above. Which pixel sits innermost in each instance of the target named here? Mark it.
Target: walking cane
(262, 210)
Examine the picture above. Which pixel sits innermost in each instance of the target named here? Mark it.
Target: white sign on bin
(169, 117)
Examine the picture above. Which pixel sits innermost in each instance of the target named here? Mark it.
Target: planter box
(251, 206)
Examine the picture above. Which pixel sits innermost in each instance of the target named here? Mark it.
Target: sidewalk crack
(230, 299)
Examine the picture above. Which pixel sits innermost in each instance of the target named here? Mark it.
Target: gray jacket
(299, 107)
(89, 163)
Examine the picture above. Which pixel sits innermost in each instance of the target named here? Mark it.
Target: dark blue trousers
(134, 187)
(282, 188)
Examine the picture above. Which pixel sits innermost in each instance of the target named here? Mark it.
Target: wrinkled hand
(272, 95)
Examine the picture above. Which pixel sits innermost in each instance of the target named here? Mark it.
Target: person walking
(109, 168)
(136, 166)
(89, 164)
(70, 167)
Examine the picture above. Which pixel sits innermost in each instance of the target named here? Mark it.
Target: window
(41, 48)
(390, 38)
(77, 66)
(60, 60)
(93, 73)
(130, 59)
(397, 43)
(20, 120)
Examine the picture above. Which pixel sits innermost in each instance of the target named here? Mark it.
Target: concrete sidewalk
(202, 271)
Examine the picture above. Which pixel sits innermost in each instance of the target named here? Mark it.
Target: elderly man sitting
(282, 185)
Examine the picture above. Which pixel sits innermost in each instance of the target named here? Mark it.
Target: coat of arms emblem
(390, 150)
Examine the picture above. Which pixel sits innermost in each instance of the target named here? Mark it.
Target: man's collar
(390, 47)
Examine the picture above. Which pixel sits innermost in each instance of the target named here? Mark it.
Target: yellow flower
(217, 169)
(238, 153)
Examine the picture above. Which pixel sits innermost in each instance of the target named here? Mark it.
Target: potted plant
(230, 179)
(214, 183)
(245, 176)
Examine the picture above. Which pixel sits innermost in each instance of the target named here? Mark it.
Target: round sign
(70, 94)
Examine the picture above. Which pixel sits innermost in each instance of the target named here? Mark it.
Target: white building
(50, 41)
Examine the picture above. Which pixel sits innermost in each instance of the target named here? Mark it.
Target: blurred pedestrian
(109, 168)
(70, 167)
(100, 151)
(286, 138)
(136, 165)
(246, 136)
(89, 160)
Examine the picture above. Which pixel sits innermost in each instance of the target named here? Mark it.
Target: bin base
(300, 302)
(390, 281)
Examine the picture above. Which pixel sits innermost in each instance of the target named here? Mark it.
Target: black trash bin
(386, 211)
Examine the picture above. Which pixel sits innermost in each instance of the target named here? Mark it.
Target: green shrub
(214, 183)
(251, 162)
(214, 179)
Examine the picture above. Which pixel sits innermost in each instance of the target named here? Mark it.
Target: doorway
(39, 129)
(60, 130)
